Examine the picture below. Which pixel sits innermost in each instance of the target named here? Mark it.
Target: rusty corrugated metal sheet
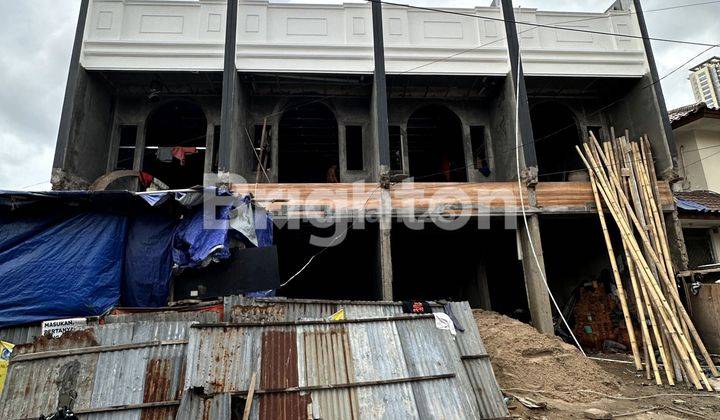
(222, 357)
(20, 335)
(153, 372)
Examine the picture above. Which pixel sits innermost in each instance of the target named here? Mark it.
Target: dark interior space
(346, 270)
(308, 142)
(433, 264)
(435, 145)
(574, 251)
(176, 124)
(556, 135)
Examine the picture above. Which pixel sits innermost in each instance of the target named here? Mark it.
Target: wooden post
(386, 266)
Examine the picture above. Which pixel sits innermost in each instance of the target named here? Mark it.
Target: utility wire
(540, 25)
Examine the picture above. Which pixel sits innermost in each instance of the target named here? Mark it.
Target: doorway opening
(308, 145)
(175, 144)
(556, 135)
(435, 145)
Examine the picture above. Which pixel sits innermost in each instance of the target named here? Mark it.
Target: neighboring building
(697, 136)
(151, 74)
(705, 81)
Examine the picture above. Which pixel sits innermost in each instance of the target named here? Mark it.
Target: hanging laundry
(164, 154)
(448, 310)
(179, 153)
(443, 322)
(146, 179)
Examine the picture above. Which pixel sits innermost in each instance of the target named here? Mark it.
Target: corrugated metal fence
(378, 363)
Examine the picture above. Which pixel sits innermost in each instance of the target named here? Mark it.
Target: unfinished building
(408, 114)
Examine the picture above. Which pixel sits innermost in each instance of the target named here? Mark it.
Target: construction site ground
(550, 372)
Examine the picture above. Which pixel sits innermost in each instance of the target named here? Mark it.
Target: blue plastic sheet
(193, 243)
(52, 268)
(148, 261)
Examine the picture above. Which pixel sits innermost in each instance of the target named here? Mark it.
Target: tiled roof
(678, 113)
(698, 201)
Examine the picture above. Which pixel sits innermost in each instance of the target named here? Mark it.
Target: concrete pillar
(483, 290)
(537, 294)
(379, 97)
(676, 241)
(385, 247)
(233, 147)
(386, 267)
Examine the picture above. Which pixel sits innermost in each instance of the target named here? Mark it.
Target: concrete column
(209, 146)
(139, 147)
(385, 247)
(379, 96)
(676, 240)
(386, 267)
(230, 159)
(537, 294)
(483, 290)
(75, 73)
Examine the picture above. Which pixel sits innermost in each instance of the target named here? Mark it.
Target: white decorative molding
(395, 26)
(307, 26)
(337, 38)
(358, 24)
(215, 22)
(252, 23)
(161, 24)
(442, 30)
(104, 21)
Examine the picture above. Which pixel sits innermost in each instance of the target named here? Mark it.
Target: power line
(540, 25)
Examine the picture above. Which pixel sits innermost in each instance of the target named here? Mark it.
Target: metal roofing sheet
(474, 355)
(398, 367)
(124, 362)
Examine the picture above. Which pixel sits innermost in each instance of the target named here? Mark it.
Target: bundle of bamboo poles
(624, 183)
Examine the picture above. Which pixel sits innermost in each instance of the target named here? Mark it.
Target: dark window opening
(396, 155)
(479, 148)
(308, 142)
(699, 247)
(126, 150)
(435, 143)
(556, 135)
(257, 142)
(216, 148)
(354, 147)
(175, 144)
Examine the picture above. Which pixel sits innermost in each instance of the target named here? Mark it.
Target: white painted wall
(337, 38)
(699, 158)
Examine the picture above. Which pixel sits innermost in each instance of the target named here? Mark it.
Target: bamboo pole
(644, 238)
(645, 271)
(616, 275)
(629, 184)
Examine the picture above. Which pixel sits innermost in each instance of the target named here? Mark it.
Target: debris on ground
(523, 358)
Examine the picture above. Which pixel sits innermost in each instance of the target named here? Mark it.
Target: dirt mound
(524, 358)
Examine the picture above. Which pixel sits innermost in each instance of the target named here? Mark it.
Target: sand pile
(524, 358)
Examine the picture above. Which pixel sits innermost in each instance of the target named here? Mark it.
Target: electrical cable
(540, 25)
(524, 214)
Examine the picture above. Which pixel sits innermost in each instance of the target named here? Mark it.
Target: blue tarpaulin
(148, 261)
(75, 253)
(53, 267)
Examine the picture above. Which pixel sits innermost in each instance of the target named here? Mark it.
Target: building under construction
(404, 112)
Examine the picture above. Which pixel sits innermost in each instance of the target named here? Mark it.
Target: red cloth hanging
(179, 153)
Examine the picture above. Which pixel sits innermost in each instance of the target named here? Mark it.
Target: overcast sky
(36, 38)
